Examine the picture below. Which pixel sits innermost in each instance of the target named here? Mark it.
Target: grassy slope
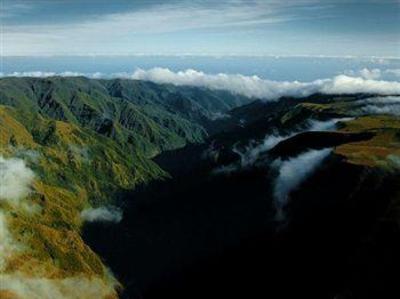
(150, 116)
(75, 168)
(86, 141)
(380, 151)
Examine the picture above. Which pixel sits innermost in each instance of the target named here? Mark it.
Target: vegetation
(88, 141)
(378, 151)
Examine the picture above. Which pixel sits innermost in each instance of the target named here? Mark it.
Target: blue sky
(100, 27)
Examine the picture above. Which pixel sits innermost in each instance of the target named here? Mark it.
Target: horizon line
(211, 55)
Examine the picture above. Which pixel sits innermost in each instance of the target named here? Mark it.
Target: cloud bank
(389, 100)
(255, 87)
(15, 179)
(388, 109)
(249, 86)
(102, 214)
(292, 173)
(374, 74)
(379, 105)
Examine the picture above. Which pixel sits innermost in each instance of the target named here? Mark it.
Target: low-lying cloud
(7, 244)
(387, 109)
(255, 87)
(102, 214)
(326, 125)
(15, 183)
(18, 285)
(250, 153)
(249, 86)
(380, 100)
(292, 173)
(378, 105)
(15, 179)
(40, 74)
(375, 73)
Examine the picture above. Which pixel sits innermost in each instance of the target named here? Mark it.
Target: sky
(235, 27)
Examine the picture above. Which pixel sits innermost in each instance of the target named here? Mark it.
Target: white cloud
(344, 85)
(15, 183)
(31, 287)
(374, 74)
(39, 74)
(25, 154)
(326, 125)
(15, 179)
(25, 286)
(371, 74)
(174, 17)
(374, 109)
(7, 244)
(254, 86)
(102, 214)
(121, 28)
(251, 152)
(250, 86)
(388, 100)
(75, 287)
(292, 173)
(378, 105)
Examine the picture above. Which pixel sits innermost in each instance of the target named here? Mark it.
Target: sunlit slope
(379, 151)
(80, 143)
(74, 168)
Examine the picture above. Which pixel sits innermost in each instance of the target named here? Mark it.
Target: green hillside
(86, 141)
(150, 117)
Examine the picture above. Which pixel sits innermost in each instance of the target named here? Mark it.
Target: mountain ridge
(93, 145)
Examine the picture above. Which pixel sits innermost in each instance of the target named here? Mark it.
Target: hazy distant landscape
(280, 68)
(195, 149)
